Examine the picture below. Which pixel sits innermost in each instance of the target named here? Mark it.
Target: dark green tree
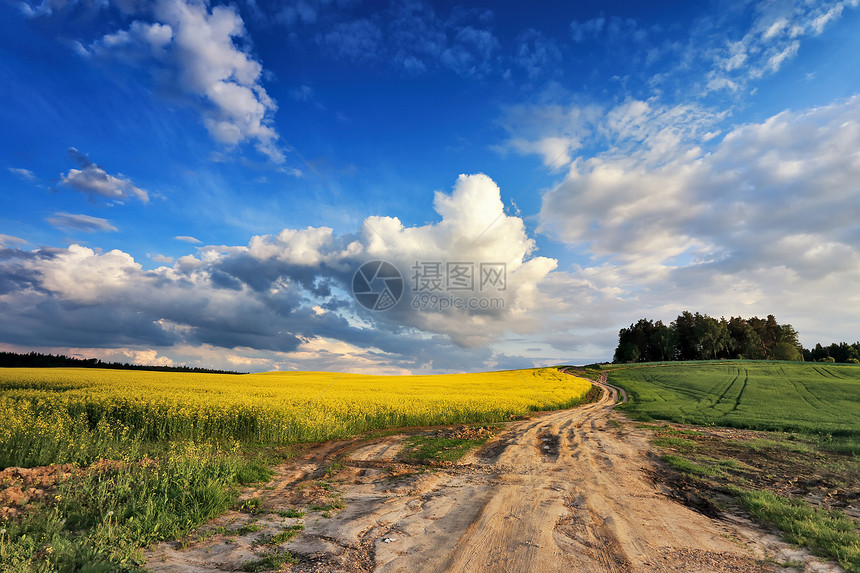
(685, 338)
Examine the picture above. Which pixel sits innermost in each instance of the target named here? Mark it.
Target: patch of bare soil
(571, 490)
(20, 487)
(829, 480)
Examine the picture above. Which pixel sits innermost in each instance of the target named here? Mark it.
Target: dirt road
(563, 491)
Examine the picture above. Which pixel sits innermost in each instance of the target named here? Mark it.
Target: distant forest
(36, 360)
(842, 352)
(701, 337)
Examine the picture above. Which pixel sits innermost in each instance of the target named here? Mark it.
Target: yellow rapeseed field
(79, 414)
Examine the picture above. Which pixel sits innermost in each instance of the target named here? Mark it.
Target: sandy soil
(562, 491)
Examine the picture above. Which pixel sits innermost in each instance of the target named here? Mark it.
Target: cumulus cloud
(290, 292)
(761, 221)
(83, 223)
(789, 175)
(194, 47)
(93, 180)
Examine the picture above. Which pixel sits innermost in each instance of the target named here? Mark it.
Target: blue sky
(197, 183)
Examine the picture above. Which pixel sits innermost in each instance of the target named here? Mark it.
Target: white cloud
(164, 259)
(79, 274)
(771, 40)
(83, 223)
(537, 54)
(193, 48)
(24, 174)
(136, 45)
(645, 129)
(187, 239)
(93, 180)
(289, 293)
(6, 240)
(762, 222)
(473, 229)
(781, 176)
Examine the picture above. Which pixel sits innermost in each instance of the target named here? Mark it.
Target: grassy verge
(781, 479)
(800, 472)
(424, 448)
(444, 446)
(829, 533)
(98, 519)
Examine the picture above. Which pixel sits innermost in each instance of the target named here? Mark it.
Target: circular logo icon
(377, 285)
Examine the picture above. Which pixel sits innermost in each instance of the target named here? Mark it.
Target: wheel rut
(563, 491)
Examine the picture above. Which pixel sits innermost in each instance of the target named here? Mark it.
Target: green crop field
(811, 412)
(810, 398)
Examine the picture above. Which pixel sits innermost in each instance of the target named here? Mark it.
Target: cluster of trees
(701, 337)
(842, 352)
(37, 360)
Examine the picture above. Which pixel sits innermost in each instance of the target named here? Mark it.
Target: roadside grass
(273, 559)
(690, 467)
(445, 445)
(438, 449)
(829, 533)
(756, 471)
(99, 519)
(286, 535)
(794, 460)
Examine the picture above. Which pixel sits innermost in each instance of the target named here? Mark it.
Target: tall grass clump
(828, 533)
(101, 517)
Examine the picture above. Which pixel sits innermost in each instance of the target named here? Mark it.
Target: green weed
(829, 533)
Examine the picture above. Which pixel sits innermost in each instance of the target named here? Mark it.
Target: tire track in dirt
(563, 491)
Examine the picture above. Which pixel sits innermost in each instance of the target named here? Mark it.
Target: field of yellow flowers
(81, 415)
(177, 446)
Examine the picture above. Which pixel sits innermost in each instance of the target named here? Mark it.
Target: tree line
(842, 352)
(701, 337)
(37, 360)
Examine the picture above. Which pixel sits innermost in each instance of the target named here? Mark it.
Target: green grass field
(809, 398)
(812, 412)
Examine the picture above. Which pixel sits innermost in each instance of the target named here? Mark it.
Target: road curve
(568, 490)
